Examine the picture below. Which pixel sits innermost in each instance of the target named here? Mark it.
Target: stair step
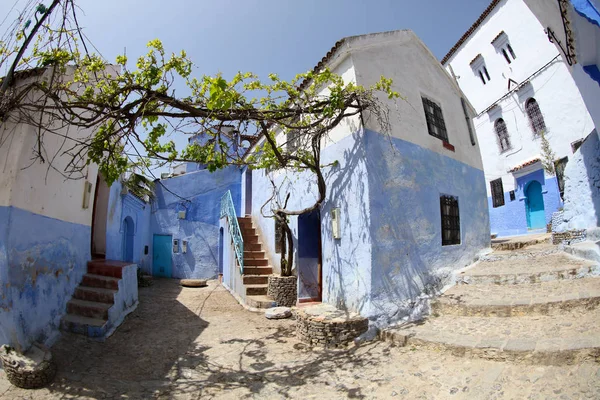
(252, 270)
(100, 281)
(251, 239)
(529, 268)
(95, 294)
(248, 231)
(545, 298)
(260, 302)
(90, 309)
(252, 246)
(255, 279)
(573, 338)
(254, 254)
(256, 262)
(92, 327)
(107, 268)
(256, 290)
(516, 243)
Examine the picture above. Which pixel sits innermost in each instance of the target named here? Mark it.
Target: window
(503, 46)
(536, 119)
(512, 195)
(469, 121)
(479, 69)
(510, 50)
(450, 220)
(559, 168)
(502, 135)
(435, 120)
(278, 233)
(497, 193)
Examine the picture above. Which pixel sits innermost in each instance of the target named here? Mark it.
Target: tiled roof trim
(323, 62)
(475, 59)
(498, 36)
(472, 29)
(24, 74)
(525, 164)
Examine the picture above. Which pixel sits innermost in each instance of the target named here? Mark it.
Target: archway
(128, 233)
(536, 217)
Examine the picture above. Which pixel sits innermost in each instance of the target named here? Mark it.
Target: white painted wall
(558, 97)
(402, 56)
(100, 218)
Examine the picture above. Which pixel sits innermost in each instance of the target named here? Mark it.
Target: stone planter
(32, 370)
(283, 289)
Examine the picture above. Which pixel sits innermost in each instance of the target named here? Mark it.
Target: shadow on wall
(590, 150)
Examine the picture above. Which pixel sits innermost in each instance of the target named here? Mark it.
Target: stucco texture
(44, 261)
(582, 187)
(405, 185)
(200, 197)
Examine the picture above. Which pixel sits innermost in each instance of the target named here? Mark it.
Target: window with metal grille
(435, 120)
(278, 232)
(502, 135)
(536, 119)
(450, 220)
(497, 193)
(559, 168)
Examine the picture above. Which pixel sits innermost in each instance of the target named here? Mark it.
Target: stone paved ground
(199, 343)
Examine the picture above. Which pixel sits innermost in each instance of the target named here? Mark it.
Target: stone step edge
(526, 278)
(527, 351)
(511, 310)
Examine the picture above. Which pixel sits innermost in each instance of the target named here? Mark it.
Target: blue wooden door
(161, 251)
(128, 233)
(536, 217)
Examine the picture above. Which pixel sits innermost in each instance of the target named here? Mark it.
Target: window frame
(497, 197)
(450, 220)
(502, 136)
(435, 119)
(535, 117)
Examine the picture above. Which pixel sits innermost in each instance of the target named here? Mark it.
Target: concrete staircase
(256, 267)
(102, 299)
(535, 305)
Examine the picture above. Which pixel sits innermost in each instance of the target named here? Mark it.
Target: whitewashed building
(521, 88)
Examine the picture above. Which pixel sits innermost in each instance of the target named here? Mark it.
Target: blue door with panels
(536, 216)
(161, 251)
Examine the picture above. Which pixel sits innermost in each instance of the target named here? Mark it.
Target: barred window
(536, 119)
(450, 220)
(435, 120)
(502, 135)
(497, 193)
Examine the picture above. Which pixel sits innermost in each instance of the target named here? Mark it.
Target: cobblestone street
(200, 343)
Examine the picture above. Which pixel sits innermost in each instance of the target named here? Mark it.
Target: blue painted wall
(201, 192)
(120, 207)
(42, 260)
(511, 218)
(405, 185)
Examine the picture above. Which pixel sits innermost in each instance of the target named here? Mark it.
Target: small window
(510, 50)
(479, 69)
(503, 46)
(497, 193)
(536, 119)
(278, 233)
(576, 145)
(559, 168)
(450, 220)
(502, 136)
(486, 73)
(506, 57)
(435, 120)
(512, 195)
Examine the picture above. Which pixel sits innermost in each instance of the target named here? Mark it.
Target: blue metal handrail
(228, 210)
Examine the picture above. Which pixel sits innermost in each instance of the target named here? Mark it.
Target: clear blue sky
(262, 36)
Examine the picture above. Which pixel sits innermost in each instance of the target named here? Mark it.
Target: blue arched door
(536, 217)
(128, 233)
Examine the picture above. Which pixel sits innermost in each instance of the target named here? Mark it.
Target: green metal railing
(228, 210)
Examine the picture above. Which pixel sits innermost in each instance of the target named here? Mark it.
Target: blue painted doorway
(161, 251)
(128, 233)
(309, 256)
(536, 217)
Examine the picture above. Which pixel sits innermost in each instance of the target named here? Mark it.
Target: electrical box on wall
(184, 246)
(175, 245)
(181, 215)
(335, 223)
(87, 194)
